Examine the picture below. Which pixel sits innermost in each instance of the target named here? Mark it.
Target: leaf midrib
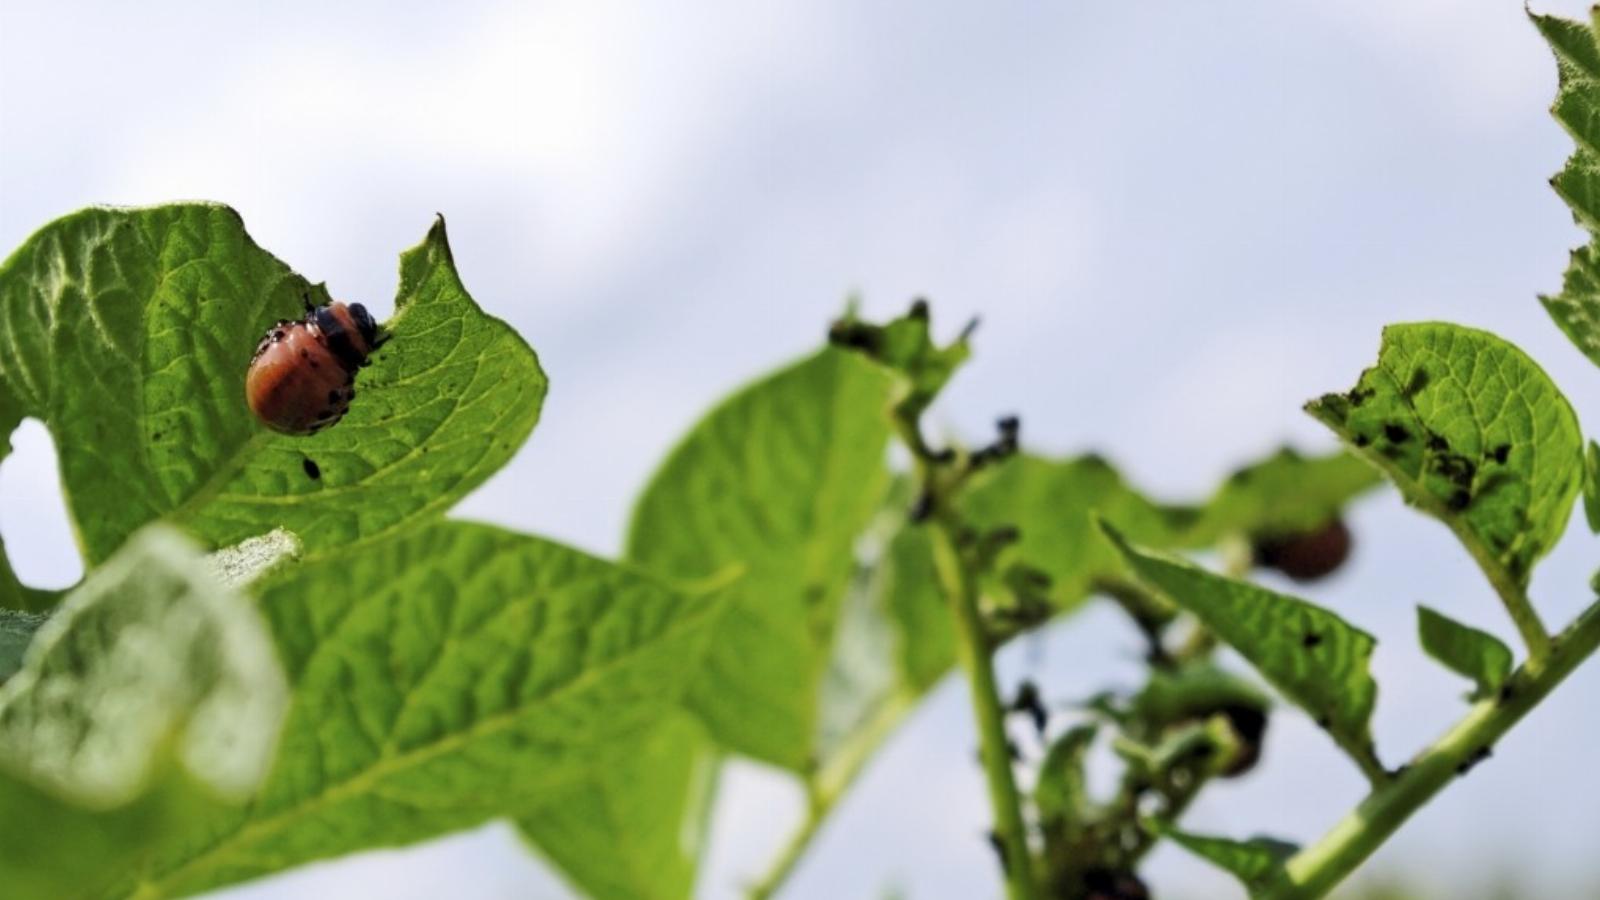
(386, 766)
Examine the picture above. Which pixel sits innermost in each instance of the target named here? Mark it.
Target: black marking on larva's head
(1310, 640)
(1501, 453)
(313, 471)
(337, 338)
(1396, 433)
(365, 324)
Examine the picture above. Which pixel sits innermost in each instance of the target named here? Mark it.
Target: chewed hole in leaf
(33, 512)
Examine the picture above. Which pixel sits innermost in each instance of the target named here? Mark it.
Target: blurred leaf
(1312, 656)
(1577, 107)
(441, 679)
(128, 333)
(16, 631)
(1193, 692)
(253, 558)
(151, 696)
(1061, 793)
(1254, 862)
(905, 347)
(1285, 493)
(1591, 487)
(1474, 433)
(1474, 654)
(635, 829)
(778, 481)
(926, 647)
(1053, 503)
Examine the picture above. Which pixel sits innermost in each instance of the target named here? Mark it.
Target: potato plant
(286, 649)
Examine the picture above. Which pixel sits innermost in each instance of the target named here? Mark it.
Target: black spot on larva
(1501, 453)
(1419, 380)
(156, 436)
(1506, 693)
(304, 353)
(1459, 500)
(1396, 433)
(313, 472)
(1311, 639)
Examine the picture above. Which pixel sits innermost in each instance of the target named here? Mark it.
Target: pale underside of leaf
(151, 699)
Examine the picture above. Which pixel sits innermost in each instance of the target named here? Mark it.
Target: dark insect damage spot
(1419, 380)
(1437, 443)
(1501, 453)
(1361, 440)
(1459, 500)
(1478, 756)
(313, 471)
(1359, 395)
(1396, 433)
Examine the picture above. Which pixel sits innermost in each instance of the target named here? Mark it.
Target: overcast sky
(1178, 220)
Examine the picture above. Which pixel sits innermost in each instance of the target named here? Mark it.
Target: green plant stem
(825, 787)
(977, 658)
(1318, 868)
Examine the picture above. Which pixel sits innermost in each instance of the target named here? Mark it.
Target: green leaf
(778, 481)
(1474, 433)
(152, 695)
(1254, 862)
(905, 347)
(128, 333)
(635, 829)
(1315, 658)
(440, 679)
(1465, 650)
(1591, 487)
(1577, 107)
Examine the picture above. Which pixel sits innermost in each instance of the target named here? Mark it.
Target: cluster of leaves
(349, 668)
